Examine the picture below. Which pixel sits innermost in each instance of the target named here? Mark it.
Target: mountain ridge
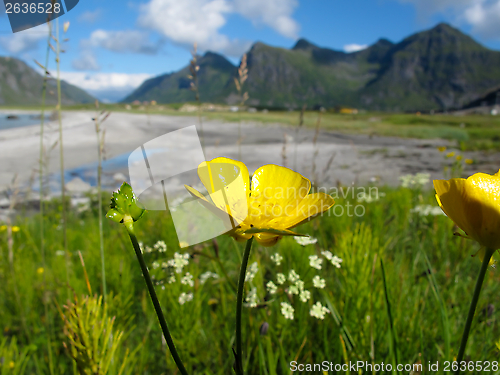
(436, 69)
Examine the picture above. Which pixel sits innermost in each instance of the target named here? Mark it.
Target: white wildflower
(315, 261)
(293, 276)
(251, 272)
(327, 254)
(293, 289)
(179, 261)
(336, 261)
(188, 279)
(280, 278)
(271, 287)
(426, 210)
(156, 264)
(207, 275)
(318, 311)
(160, 246)
(304, 241)
(252, 300)
(415, 181)
(172, 279)
(318, 282)
(185, 297)
(287, 310)
(276, 258)
(305, 295)
(299, 284)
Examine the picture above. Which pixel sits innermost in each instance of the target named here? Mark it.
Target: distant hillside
(439, 69)
(214, 77)
(22, 85)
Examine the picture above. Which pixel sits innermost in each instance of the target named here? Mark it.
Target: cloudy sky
(115, 44)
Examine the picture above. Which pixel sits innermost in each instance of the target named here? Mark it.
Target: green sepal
(124, 203)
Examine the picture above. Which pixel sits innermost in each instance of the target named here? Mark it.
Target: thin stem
(239, 305)
(100, 141)
(61, 156)
(166, 333)
(473, 304)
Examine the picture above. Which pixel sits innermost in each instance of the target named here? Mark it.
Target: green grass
(429, 276)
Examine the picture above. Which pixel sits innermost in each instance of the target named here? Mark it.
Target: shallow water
(18, 120)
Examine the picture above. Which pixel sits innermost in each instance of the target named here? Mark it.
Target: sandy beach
(335, 158)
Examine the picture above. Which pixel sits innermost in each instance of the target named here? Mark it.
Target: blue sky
(115, 44)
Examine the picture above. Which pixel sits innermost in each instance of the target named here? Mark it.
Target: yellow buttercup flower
(40, 270)
(474, 205)
(469, 161)
(266, 207)
(442, 148)
(458, 157)
(450, 154)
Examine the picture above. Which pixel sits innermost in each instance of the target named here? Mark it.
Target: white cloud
(89, 16)
(354, 47)
(24, 41)
(484, 16)
(106, 86)
(276, 14)
(189, 21)
(85, 61)
(122, 41)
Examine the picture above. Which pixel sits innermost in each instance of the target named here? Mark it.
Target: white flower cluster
(335, 260)
(188, 280)
(315, 261)
(318, 311)
(287, 310)
(251, 272)
(427, 210)
(160, 246)
(179, 261)
(280, 278)
(185, 297)
(271, 287)
(304, 241)
(207, 275)
(146, 249)
(276, 258)
(415, 181)
(318, 282)
(368, 198)
(252, 300)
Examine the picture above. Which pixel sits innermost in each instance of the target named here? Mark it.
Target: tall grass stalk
(389, 315)
(100, 133)
(48, 318)
(61, 156)
(300, 124)
(242, 77)
(194, 69)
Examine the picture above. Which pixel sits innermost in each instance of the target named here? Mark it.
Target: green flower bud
(125, 204)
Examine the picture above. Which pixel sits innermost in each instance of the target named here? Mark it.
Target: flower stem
(128, 222)
(239, 305)
(473, 304)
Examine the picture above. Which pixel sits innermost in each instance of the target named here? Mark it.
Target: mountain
(437, 69)
(22, 85)
(214, 77)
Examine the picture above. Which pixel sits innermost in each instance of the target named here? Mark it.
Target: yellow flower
(458, 157)
(3, 227)
(11, 364)
(39, 270)
(469, 161)
(442, 148)
(15, 229)
(275, 200)
(450, 154)
(474, 205)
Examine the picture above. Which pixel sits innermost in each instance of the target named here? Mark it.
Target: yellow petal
(310, 207)
(227, 181)
(274, 190)
(474, 205)
(267, 240)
